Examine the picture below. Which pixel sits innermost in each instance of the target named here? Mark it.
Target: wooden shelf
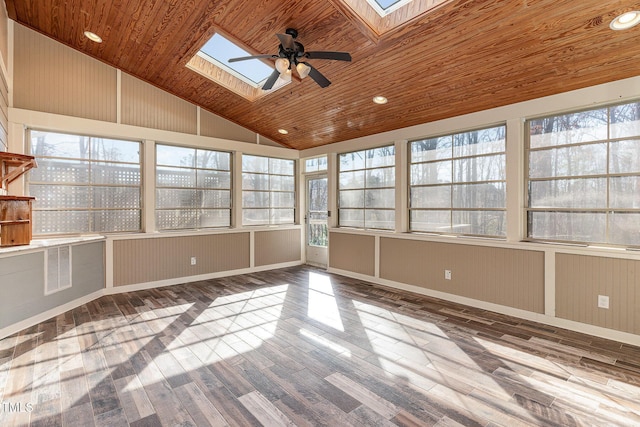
(12, 166)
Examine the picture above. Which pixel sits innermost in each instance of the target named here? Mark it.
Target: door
(316, 220)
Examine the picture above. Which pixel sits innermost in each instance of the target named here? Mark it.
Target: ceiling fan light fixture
(625, 21)
(282, 65)
(303, 70)
(286, 76)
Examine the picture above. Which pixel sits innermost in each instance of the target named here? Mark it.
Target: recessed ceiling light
(283, 131)
(93, 36)
(379, 99)
(625, 21)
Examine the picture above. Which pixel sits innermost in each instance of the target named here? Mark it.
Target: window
(316, 164)
(219, 50)
(84, 184)
(385, 7)
(584, 176)
(366, 188)
(268, 191)
(458, 183)
(193, 188)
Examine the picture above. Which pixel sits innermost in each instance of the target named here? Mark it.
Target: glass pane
(58, 171)
(351, 161)
(176, 198)
(624, 192)
(214, 218)
(351, 180)
(490, 195)
(175, 219)
(311, 165)
(431, 149)
(208, 159)
(322, 163)
(485, 223)
(318, 234)
(175, 177)
(351, 199)
(280, 166)
(282, 200)
(571, 128)
(434, 221)
(53, 222)
(255, 164)
(252, 181)
(60, 196)
(116, 197)
(255, 216)
(431, 197)
(624, 228)
(568, 226)
(318, 194)
(215, 198)
(568, 193)
(113, 150)
(625, 120)
(382, 198)
(282, 216)
(351, 218)
(483, 141)
(485, 168)
(59, 145)
(255, 199)
(213, 179)
(380, 219)
(624, 156)
(431, 173)
(381, 177)
(116, 221)
(169, 155)
(282, 183)
(383, 156)
(114, 173)
(588, 159)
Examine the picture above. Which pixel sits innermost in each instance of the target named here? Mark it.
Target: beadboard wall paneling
(352, 252)
(218, 127)
(153, 259)
(51, 77)
(581, 278)
(509, 277)
(277, 246)
(4, 35)
(147, 106)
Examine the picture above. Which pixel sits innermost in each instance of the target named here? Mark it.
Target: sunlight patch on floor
(322, 304)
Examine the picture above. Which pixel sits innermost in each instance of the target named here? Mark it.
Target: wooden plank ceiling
(460, 57)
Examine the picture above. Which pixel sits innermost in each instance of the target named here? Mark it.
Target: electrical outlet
(193, 260)
(603, 301)
(447, 274)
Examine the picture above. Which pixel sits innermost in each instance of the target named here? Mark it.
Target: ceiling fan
(291, 53)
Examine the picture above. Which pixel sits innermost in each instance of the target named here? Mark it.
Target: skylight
(385, 7)
(219, 50)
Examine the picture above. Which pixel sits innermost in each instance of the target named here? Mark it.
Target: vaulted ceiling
(457, 57)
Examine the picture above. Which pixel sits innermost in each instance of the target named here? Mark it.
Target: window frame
(270, 209)
(364, 188)
(91, 161)
(195, 168)
(608, 210)
(452, 158)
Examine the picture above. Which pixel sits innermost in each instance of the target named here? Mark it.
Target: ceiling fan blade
(339, 56)
(244, 58)
(271, 80)
(286, 41)
(318, 77)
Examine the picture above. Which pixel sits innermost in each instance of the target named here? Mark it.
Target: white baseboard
(597, 331)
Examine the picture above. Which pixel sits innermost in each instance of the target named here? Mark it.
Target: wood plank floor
(301, 347)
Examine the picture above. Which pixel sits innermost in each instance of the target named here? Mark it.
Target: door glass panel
(317, 231)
